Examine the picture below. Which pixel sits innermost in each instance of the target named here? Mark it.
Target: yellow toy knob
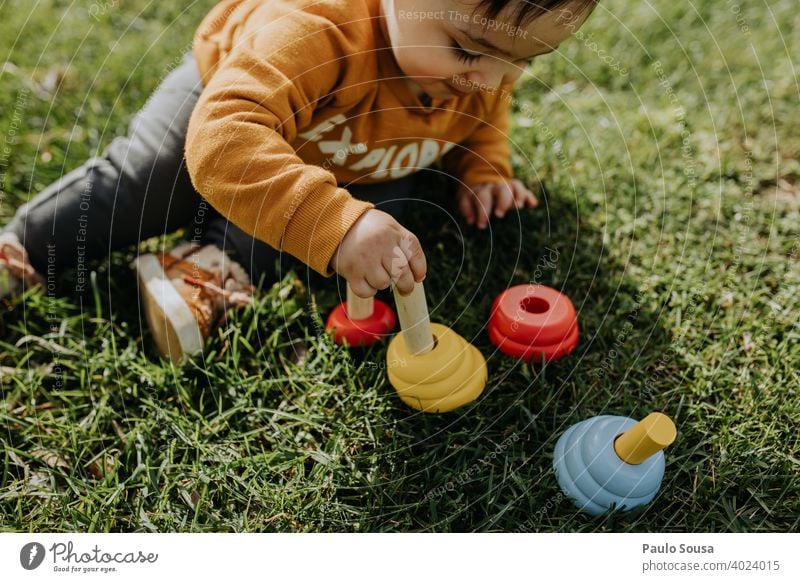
(655, 432)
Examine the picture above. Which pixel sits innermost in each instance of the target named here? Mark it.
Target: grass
(671, 204)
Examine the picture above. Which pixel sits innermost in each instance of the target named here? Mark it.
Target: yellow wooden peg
(655, 432)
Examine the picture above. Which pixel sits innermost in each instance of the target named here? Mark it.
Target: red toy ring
(533, 322)
(361, 332)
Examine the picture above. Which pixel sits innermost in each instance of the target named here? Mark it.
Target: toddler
(296, 126)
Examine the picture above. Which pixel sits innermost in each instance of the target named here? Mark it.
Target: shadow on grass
(276, 428)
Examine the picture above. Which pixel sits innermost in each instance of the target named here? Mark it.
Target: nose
(482, 80)
(492, 79)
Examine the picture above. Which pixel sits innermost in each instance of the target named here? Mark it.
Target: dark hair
(528, 10)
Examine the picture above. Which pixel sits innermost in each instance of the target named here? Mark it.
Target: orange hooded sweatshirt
(302, 96)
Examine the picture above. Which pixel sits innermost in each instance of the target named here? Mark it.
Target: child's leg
(137, 189)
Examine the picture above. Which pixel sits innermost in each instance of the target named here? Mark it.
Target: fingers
(483, 206)
(503, 199)
(378, 279)
(402, 278)
(416, 257)
(466, 207)
(361, 288)
(369, 285)
(407, 266)
(476, 204)
(522, 196)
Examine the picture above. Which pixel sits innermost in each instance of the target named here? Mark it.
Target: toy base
(451, 375)
(590, 473)
(361, 332)
(533, 322)
(535, 353)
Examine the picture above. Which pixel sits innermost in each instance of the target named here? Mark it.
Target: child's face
(437, 43)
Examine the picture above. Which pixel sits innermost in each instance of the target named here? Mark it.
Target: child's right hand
(377, 251)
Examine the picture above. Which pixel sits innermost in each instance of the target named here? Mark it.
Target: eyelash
(464, 55)
(468, 58)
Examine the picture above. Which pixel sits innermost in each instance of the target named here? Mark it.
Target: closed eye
(463, 54)
(470, 57)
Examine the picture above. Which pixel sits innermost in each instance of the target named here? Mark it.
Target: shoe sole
(172, 323)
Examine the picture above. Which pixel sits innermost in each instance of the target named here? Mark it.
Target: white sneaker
(186, 294)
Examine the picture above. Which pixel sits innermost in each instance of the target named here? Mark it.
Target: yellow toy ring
(452, 374)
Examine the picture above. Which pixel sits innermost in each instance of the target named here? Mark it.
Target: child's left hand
(477, 202)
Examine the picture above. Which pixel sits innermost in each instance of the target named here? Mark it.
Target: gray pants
(140, 188)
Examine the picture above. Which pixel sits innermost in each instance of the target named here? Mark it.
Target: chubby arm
(238, 150)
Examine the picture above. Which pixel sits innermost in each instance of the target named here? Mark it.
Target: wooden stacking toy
(432, 368)
(359, 321)
(533, 322)
(613, 462)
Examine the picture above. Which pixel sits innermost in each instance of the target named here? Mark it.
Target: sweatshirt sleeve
(485, 155)
(238, 150)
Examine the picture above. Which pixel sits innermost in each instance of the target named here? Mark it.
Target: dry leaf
(50, 458)
(52, 346)
(9, 371)
(747, 341)
(37, 478)
(102, 466)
